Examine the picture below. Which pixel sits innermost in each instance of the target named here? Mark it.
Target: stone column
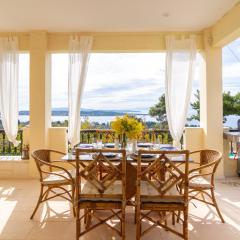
(211, 103)
(40, 95)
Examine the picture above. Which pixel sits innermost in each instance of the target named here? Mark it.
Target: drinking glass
(99, 144)
(129, 147)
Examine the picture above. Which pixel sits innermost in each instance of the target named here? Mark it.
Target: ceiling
(111, 15)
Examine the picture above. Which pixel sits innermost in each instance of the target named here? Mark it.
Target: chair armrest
(205, 166)
(62, 161)
(56, 167)
(55, 151)
(194, 152)
(196, 163)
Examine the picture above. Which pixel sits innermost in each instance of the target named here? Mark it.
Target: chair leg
(216, 205)
(73, 201)
(138, 228)
(185, 223)
(173, 218)
(38, 202)
(85, 215)
(123, 231)
(178, 216)
(78, 223)
(135, 214)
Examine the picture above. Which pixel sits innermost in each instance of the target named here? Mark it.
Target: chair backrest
(42, 154)
(47, 167)
(101, 171)
(208, 156)
(209, 161)
(41, 157)
(161, 176)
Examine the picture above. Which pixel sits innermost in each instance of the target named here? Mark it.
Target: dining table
(131, 169)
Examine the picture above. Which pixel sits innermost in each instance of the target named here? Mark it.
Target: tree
(231, 105)
(86, 124)
(196, 106)
(159, 111)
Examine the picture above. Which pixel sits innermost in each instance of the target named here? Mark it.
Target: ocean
(231, 120)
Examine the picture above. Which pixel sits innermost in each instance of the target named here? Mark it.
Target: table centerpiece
(127, 127)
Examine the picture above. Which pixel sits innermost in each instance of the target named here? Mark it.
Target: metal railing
(7, 148)
(107, 135)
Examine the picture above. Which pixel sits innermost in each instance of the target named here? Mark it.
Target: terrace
(126, 27)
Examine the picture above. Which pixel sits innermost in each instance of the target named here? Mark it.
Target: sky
(123, 81)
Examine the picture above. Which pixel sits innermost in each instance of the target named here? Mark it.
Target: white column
(211, 113)
(40, 95)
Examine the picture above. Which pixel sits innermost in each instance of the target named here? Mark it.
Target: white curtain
(9, 87)
(77, 71)
(180, 61)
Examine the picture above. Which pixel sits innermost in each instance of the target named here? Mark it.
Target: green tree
(86, 124)
(196, 106)
(231, 105)
(159, 111)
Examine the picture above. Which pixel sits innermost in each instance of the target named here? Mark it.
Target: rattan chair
(157, 196)
(102, 189)
(198, 184)
(55, 181)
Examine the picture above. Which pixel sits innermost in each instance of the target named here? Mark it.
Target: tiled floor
(55, 221)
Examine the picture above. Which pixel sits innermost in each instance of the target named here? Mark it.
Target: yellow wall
(105, 42)
(58, 139)
(227, 28)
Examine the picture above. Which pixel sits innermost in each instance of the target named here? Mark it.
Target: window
(116, 83)
(231, 76)
(23, 88)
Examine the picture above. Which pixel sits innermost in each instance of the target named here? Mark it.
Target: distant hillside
(86, 112)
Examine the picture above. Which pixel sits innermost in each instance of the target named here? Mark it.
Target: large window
(23, 89)
(231, 82)
(116, 83)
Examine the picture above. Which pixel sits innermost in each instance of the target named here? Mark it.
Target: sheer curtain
(9, 87)
(180, 61)
(77, 71)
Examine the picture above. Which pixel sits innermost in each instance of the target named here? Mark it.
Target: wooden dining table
(131, 170)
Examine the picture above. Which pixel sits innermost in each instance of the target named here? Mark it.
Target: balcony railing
(108, 135)
(86, 136)
(7, 148)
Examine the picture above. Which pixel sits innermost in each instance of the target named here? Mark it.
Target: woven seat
(199, 182)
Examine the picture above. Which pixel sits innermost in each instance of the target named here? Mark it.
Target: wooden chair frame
(159, 204)
(209, 161)
(45, 167)
(90, 203)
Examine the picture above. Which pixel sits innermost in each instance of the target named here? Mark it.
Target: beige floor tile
(54, 219)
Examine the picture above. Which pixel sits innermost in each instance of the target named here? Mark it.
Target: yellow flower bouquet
(127, 126)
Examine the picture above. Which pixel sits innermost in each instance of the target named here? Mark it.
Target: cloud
(122, 80)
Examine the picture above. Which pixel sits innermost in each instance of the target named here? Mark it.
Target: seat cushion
(199, 182)
(151, 195)
(60, 178)
(114, 191)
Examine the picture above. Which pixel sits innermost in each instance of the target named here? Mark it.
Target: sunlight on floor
(54, 219)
